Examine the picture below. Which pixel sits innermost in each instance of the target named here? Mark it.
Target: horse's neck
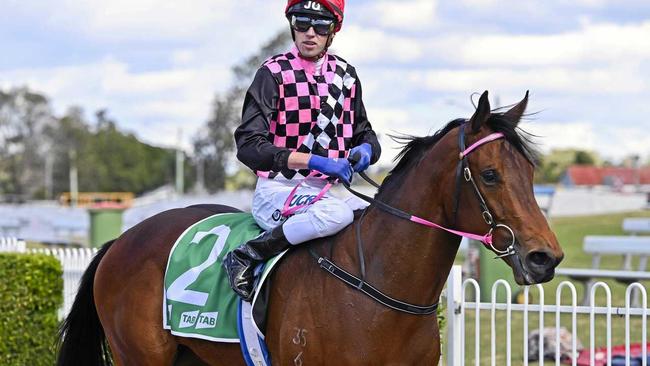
(406, 260)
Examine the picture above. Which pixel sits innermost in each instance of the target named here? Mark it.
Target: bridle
(463, 171)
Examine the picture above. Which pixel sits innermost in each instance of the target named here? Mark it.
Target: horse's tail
(81, 338)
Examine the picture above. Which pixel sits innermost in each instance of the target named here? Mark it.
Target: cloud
(602, 80)
(542, 7)
(592, 3)
(143, 19)
(392, 121)
(406, 15)
(143, 102)
(592, 44)
(360, 44)
(481, 3)
(563, 135)
(611, 142)
(146, 20)
(620, 141)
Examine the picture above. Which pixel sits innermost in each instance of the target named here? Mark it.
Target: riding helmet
(332, 9)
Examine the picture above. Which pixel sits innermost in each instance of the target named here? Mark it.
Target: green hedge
(31, 292)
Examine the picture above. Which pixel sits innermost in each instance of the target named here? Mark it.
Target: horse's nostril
(540, 259)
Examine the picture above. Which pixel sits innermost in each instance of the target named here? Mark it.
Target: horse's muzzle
(536, 266)
(541, 265)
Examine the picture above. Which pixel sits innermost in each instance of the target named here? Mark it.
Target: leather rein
(462, 172)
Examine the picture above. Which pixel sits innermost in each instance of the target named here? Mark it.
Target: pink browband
(480, 142)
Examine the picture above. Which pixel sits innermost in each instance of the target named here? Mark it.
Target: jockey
(303, 116)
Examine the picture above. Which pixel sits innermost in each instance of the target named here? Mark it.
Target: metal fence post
(454, 316)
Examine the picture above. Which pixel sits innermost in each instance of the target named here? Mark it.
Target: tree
(214, 143)
(106, 158)
(110, 160)
(24, 118)
(584, 158)
(69, 133)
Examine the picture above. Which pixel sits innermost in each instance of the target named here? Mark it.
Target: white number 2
(178, 289)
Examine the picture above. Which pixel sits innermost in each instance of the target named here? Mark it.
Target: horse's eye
(490, 176)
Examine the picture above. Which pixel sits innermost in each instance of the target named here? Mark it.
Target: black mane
(415, 147)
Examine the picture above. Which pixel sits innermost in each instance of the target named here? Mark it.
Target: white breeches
(325, 217)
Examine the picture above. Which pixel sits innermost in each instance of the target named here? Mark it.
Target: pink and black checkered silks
(315, 113)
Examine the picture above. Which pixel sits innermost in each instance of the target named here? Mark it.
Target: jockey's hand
(362, 155)
(337, 168)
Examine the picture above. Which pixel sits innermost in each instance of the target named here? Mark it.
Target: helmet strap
(330, 39)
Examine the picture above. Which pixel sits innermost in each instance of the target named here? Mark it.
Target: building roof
(585, 175)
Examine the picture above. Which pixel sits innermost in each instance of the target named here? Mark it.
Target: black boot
(240, 263)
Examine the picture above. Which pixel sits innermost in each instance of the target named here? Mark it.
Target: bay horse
(313, 318)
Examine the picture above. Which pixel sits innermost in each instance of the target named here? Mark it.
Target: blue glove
(337, 168)
(361, 155)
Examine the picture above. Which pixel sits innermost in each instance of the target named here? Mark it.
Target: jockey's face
(310, 44)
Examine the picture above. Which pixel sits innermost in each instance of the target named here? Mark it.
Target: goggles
(323, 27)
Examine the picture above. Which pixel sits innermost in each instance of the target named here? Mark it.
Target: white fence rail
(10, 244)
(457, 307)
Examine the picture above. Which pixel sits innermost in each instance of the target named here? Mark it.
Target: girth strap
(367, 289)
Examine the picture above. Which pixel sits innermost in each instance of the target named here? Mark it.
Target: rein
(463, 166)
(462, 171)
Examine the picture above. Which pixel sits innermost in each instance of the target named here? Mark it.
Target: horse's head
(502, 173)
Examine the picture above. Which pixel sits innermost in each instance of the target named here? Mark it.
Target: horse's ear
(515, 113)
(482, 113)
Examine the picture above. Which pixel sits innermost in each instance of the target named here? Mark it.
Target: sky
(156, 65)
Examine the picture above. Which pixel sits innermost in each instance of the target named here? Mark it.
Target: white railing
(12, 245)
(457, 307)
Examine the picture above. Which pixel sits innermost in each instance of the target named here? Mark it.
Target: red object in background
(601, 354)
(586, 175)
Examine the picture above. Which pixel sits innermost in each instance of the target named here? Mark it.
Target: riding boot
(241, 262)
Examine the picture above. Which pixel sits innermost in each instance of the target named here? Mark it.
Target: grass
(570, 232)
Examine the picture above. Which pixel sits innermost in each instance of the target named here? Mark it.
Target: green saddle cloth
(198, 301)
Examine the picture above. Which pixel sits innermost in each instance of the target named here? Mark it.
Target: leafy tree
(110, 160)
(584, 158)
(106, 158)
(68, 133)
(214, 143)
(24, 117)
